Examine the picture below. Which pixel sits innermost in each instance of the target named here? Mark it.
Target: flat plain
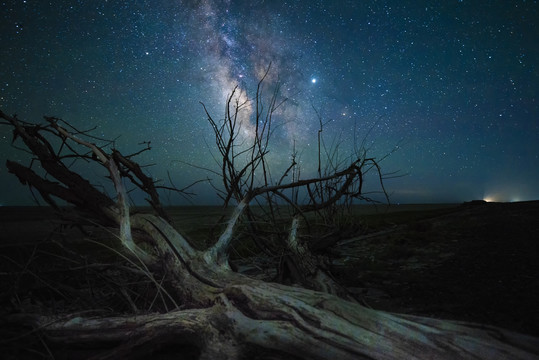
(477, 261)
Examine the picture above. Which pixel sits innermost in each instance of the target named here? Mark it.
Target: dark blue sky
(453, 84)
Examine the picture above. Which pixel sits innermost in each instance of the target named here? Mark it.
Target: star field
(451, 85)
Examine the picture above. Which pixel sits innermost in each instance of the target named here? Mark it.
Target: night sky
(451, 85)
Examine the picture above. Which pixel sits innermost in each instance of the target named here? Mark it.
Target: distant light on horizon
(504, 198)
(144, 81)
(509, 191)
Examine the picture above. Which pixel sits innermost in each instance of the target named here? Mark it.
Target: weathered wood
(310, 271)
(226, 315)
(304, 324)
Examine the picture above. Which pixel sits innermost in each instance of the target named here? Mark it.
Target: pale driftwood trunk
(226, 315)
(233, 317)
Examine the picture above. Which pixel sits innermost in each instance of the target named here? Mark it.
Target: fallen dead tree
(218, 313)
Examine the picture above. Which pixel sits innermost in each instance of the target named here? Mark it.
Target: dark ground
(479, 262)
(475, 262)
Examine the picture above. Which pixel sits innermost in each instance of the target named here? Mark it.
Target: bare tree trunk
(223, 314)
(232, 316)
(249, 316)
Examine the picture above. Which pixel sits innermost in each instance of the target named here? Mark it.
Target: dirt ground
(478, 263)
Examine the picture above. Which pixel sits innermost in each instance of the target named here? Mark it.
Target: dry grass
(441, 260)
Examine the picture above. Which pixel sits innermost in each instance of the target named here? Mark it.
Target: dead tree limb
(221, 313)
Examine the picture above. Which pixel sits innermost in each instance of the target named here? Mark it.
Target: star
(140, 71)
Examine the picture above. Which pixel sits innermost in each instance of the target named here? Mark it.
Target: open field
(31, 222)
(479, 263)
(472, 262)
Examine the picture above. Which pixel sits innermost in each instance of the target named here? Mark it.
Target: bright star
(313, 80)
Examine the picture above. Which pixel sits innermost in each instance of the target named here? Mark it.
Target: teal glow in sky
(453, 83)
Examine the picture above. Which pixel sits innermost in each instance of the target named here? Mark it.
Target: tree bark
(226, 315)
(255, 317)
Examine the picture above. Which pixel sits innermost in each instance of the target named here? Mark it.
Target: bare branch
(218, 252)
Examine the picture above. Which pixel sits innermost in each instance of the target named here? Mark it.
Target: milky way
(451, 86)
